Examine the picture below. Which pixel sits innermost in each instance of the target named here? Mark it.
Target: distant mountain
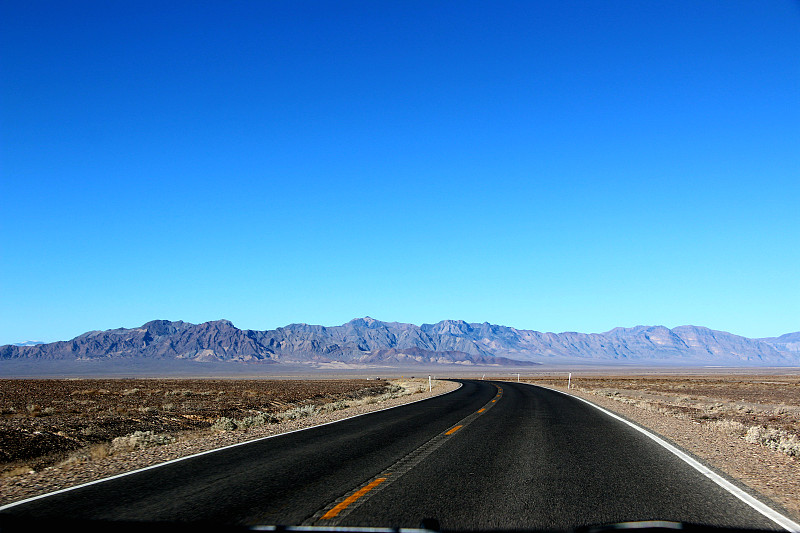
(790, 342)
(210, 341)
(366, 340)
(28, 343)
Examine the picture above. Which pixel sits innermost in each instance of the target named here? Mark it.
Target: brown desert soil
(708, 416)
(56, 434)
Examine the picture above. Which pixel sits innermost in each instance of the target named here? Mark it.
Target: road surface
(489, 455)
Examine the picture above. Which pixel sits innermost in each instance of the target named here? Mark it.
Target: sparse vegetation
(303, 411)
(777, 439)
(138, 440)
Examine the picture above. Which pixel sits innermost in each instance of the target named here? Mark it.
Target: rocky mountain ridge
(366, 340)
(789, 342)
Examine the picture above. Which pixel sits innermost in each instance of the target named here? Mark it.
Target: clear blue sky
(557, 166)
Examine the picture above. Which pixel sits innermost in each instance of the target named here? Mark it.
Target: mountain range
(369, 341)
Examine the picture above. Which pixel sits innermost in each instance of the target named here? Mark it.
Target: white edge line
(769, 512)
(102, 480)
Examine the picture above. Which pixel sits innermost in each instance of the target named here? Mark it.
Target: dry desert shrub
(224, 423)
(298, 412)
(729, 426)
(139, 440)
(335, 406)
(777, 439)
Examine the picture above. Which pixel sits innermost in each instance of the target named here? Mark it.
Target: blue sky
(557, 166)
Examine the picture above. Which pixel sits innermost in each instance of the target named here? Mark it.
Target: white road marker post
(517, 377)
(569, 380)
(430, 385)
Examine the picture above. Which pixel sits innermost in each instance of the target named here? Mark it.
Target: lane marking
(352, 498)
(328, 517)
(95, 482)
(783, 521)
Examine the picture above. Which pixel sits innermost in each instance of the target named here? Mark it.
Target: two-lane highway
(487, 456)
(544, 460)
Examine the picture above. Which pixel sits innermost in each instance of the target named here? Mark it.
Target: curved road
(487, 456)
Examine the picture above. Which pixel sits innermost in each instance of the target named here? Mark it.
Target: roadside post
(430, 385)
(569, 380)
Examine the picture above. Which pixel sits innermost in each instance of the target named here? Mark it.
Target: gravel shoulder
(84, 468)
(770, 475)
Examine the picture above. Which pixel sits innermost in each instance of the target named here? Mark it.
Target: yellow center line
(347, 502)
(353, 497)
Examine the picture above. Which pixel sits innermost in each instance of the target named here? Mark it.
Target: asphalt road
(476, 458)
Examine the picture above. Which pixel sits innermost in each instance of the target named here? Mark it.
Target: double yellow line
(403, 465)
(344, 504)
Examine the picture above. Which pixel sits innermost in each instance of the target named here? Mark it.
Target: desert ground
(43, 419)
